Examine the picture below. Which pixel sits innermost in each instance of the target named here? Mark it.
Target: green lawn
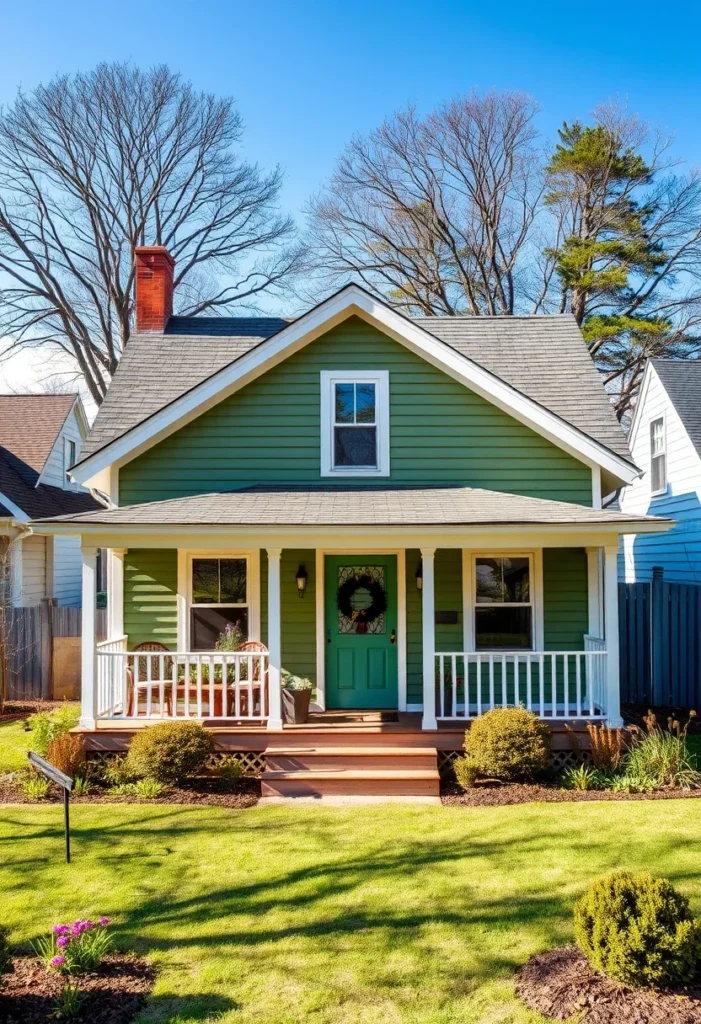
(382, 914)
(14, 744)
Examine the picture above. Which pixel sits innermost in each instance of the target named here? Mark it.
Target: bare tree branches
(92, 166)
(436, 212)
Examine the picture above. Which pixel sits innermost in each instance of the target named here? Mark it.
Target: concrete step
(349, 782)
(318, 758)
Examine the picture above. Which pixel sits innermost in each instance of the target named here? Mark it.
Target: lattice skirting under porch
(252, 760)
(559, 760)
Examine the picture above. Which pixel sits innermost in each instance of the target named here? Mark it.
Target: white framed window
(658, 456)
(69, 457)
(219, 595)
(503, 602)
(355, 423)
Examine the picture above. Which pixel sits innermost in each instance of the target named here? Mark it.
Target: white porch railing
(553, 684)
(165, 684)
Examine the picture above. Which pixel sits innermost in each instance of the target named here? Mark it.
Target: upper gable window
(658, 456)
(69, 454)
(355, 423)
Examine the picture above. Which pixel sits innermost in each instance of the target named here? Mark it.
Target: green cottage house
(405, 511)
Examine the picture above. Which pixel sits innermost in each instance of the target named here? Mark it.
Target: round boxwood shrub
(638, 930)
(510, 744)
(466, 773)
(169, 752)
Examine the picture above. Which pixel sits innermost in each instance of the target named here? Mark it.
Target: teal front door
(361, 642)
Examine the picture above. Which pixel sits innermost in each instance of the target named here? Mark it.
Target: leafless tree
(92, 165)
(436, 212)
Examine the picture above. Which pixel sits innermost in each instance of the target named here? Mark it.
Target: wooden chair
(142, 681)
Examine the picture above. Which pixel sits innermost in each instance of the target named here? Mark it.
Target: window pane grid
(355, 430)
(503, 603)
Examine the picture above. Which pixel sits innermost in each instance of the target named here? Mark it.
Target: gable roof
(29, 426)
(536, 368)
(681, 379)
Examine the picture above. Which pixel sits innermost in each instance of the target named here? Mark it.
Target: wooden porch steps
(322, 771)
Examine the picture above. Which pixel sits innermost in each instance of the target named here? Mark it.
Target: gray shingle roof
(682, 382)
(544, 357)
(368, 506)
(41, 501)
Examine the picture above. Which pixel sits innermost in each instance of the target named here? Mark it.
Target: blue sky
(307, 75)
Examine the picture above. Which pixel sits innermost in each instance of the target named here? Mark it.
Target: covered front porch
(442, 602)
(441, 651)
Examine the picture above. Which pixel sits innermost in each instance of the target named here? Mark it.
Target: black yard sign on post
(66, 783)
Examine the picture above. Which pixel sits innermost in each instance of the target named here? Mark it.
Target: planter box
(295, 706)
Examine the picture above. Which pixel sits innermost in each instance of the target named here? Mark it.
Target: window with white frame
(503, 603)
(355, 423)
(658, 456)
(219, 600)
(69, 454)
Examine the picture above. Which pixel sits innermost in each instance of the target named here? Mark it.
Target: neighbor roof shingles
(29, 426)
(682, 382)
(543, 357)
(365, 506)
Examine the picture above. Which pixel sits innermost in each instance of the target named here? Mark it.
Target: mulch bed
(561, 983)
(201, 792)
(22, 709)
(113, 995)
(495, 794)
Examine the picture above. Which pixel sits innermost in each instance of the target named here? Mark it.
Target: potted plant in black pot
(296, 697)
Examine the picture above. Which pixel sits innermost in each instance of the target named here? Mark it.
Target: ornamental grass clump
(67, 753)
(661, 760)
(638, 930)
(170, 752)
(75, 948)
(47, 725)
(509, 744)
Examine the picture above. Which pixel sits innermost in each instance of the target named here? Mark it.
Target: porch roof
(361, 507)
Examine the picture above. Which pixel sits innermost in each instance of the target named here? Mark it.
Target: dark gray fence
(29, 634)
(660, 639)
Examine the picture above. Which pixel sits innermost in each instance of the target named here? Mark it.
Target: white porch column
(274, 640)
(613, 689)
(428, 618)
(115, 592)
(595, 592)
(88, 688)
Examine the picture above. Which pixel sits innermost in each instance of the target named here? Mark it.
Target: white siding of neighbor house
(678, 552)
(54, 469)
(33, 556)
(67, 571)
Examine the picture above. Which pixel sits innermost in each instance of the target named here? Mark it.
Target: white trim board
(350, 301)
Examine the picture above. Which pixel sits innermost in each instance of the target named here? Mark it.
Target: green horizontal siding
(565, 594)
(269, 432)
(150, 596)
(298, 628)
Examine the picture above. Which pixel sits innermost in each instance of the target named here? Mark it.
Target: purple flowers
(104, 921)
(58, 961)
(76, 948)
(62, 941)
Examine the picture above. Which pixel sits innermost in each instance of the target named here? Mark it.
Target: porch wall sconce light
(419, 575)
(301, 579)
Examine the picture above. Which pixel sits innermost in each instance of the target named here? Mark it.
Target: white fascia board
(16, 511)
(640, 404)
(350, 301)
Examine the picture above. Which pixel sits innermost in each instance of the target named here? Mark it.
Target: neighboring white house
(40, 438)
(665, 442)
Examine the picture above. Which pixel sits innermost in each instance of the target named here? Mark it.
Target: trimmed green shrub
(466, 772)
(510, 744)
(638, 930)
(170, 752)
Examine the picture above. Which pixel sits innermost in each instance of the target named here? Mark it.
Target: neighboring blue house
(665, 441)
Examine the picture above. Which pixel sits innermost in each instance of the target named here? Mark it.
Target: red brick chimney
(154, 288)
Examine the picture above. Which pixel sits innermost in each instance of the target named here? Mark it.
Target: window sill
(359, 472)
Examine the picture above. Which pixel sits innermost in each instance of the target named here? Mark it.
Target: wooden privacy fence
(660, 641)
(39, 665)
